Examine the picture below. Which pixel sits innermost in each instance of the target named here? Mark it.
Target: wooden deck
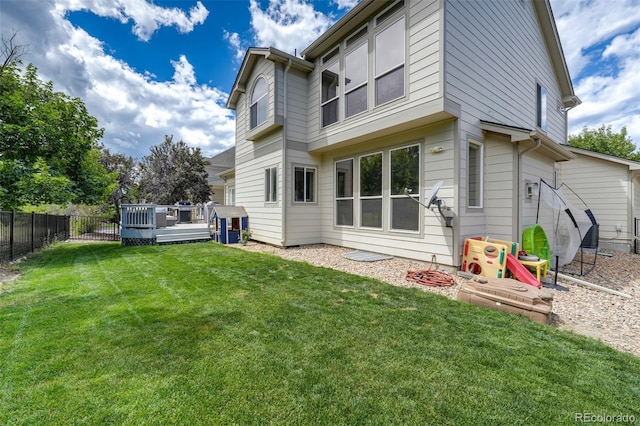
(140, 227)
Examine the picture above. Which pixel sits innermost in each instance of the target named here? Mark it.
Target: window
(231, 196)
(389, 12)
(330, 94)
(344, 193)
(355, 80)
(405, 184)
(271, 185)
(389, 63)
(259, 104)
(371, 191)
(541, 107)
(304, 181)
(475, 174)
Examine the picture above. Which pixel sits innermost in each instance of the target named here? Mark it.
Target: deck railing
(138, 216)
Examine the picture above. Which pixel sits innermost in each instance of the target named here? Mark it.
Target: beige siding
(494, 56)
(297, 99)
(534, 167)
(423, 96)
(500, 193)
(434, 237)
(606, 189)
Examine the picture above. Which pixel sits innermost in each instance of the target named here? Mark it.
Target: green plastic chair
(534, 241)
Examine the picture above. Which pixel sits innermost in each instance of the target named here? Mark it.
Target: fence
(24, 233)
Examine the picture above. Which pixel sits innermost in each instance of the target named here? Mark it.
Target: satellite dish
(433, 195)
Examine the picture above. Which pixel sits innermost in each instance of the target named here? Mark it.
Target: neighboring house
(610, 187)
(218, 169)
(401, 95)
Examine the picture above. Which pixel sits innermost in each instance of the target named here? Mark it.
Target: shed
(227, 223)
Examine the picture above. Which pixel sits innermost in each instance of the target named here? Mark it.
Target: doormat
(365, 256)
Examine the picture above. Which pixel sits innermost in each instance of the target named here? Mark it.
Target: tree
(604, 141)
(49, 146)
(10, 52)
(127, 172)
(174, 172)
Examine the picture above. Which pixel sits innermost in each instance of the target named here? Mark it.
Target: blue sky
(146, 69)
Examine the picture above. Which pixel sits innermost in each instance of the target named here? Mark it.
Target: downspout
(520, 155)
(284, 158)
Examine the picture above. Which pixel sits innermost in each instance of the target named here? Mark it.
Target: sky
(146, 69)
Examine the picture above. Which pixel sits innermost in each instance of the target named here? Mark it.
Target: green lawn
(207, 334)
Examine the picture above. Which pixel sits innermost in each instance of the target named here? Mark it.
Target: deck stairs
(183, 233)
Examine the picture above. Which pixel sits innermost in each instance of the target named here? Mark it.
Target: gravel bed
(613, 319)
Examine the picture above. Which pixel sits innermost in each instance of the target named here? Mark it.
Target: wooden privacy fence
(24, 233)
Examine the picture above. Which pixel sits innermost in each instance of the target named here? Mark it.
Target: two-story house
(339, 145)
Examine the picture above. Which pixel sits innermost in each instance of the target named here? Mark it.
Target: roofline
(633, 165)
(554, 46)
(346, 24)
(520, 134)
(270, 53)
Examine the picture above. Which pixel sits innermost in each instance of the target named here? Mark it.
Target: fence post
(33, 232)
(11, 232)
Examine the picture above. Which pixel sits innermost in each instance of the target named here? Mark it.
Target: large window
(259, 103)
(371, 191)
(405, 185)
(304, 181)
(330, 93)
(389, 63)
(344, 192)
(355, 80)
(271, 185)
(541, 107)
(475, 175)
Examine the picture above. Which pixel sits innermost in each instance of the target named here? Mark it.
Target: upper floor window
(389, 63)
(356, 74)
(475, 175)
(330, 93)
(304, 184)
(259, 103)
(541, 107)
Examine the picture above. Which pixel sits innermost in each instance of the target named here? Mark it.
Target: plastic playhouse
(500, 259)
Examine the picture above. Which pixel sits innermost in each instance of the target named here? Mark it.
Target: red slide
(520, 272)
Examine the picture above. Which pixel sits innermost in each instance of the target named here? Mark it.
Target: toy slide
(521, 273)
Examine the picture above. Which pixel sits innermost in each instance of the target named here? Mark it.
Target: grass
(207, 334)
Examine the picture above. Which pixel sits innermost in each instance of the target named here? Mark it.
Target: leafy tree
(49, 147)
(127, 171)
(174, 172)
(604, 141)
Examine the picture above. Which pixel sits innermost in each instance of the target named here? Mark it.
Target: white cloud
(288, 25)
(236, 44)
(601, 42)
(135, 110)
(147, 17)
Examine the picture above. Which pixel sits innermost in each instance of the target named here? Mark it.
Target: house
(610, 187)
(219, 168)
(339, 146)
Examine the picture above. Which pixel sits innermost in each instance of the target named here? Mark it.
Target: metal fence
(24, 233)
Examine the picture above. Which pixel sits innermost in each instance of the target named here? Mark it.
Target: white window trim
(372, 197)
(271, 187)
(480, 174)
(393, 68)
(257, 102)
(315, 184)
(353, 193)
(416, 196)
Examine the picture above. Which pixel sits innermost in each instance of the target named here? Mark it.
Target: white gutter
(284, 159)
